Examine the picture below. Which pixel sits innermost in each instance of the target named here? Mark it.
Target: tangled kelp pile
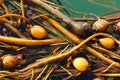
(39, 42)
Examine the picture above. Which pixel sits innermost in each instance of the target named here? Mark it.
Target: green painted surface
(99, 7)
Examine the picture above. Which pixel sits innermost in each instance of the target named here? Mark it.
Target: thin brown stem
(15, 15)
(99, 70)
(15, 30)
(7, 21)
(44, 69)
(100, 55)
(6, 9)
(113, 55)
(72, 76)
(22, 8)
(39, 16)
(38, 72)
(108, 74)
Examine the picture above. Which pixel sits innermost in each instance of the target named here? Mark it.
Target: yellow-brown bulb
(10, 61)
(100, 25)
(38, 32)
(107, 43)
(80, 63)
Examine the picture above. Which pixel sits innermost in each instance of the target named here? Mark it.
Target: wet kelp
(27, 56)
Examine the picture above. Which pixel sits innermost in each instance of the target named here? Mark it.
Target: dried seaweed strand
(108, 74)
(113, 55)
(19, 41)
(100, 55)
(15, 15)
(62, 29)
(66, 54)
